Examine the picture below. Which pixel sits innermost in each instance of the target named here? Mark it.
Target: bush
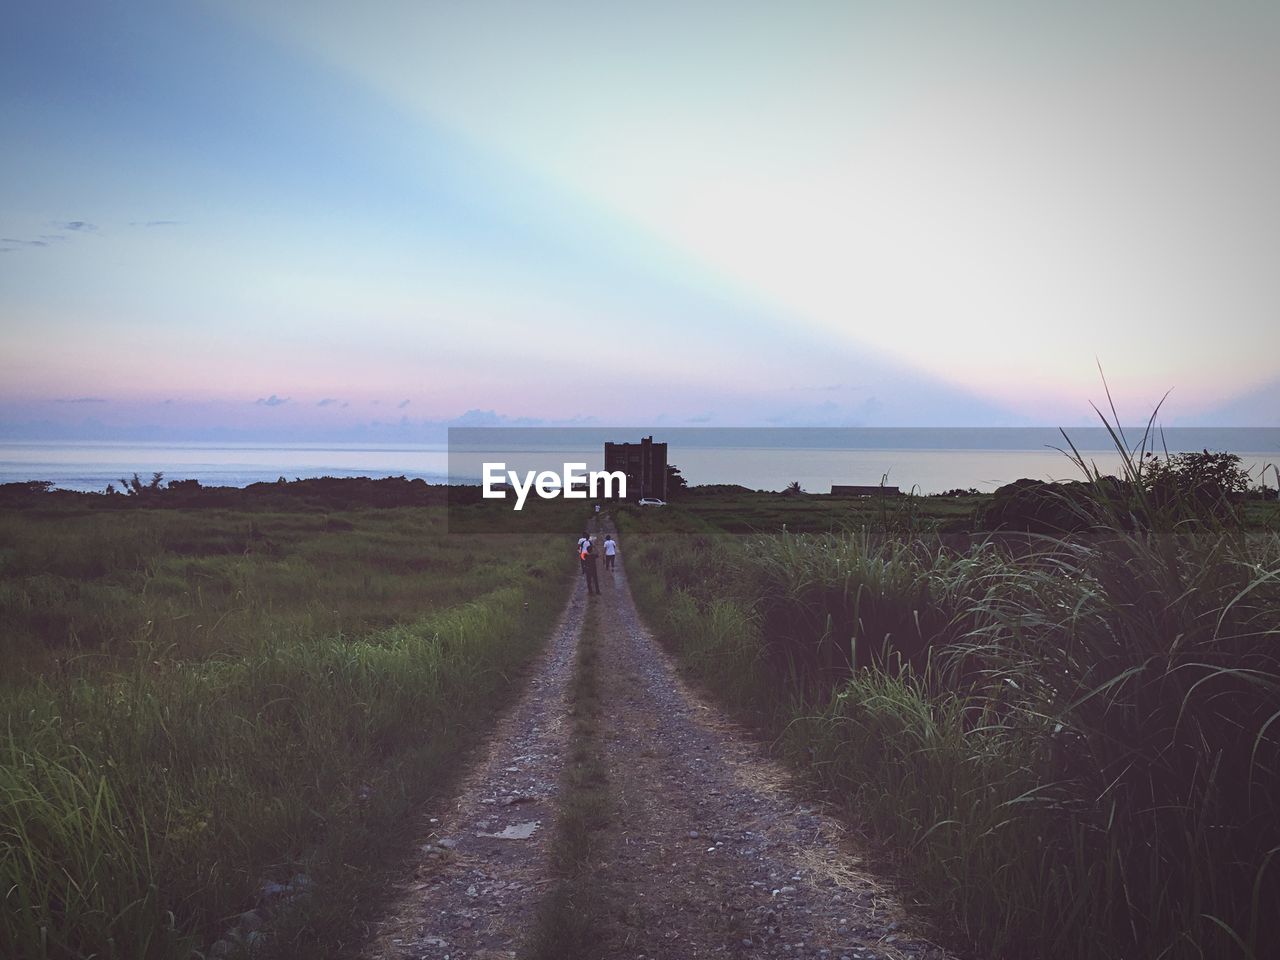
(1038, 506)
(1196, 484)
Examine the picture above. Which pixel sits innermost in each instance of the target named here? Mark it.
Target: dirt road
(709, 852)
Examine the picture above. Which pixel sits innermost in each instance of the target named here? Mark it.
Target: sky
(308, 220)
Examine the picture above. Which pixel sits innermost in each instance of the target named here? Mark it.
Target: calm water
(92, 465)
(768, 465)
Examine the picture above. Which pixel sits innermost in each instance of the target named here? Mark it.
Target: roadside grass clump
(62, 855)
(1070, 744)
(1152, 700)
(830, 605)
(150, 786)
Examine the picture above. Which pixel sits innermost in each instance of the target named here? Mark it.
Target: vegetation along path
(705, 851)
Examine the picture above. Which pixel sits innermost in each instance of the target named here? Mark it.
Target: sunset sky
(312, 219)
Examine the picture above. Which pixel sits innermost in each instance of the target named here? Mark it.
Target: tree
(675, 480)
(793, 489)
(134, 487)
(1201, 481)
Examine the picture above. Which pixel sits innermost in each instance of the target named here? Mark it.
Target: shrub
(1197, 485)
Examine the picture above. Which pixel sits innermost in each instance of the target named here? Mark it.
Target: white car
(651, 502)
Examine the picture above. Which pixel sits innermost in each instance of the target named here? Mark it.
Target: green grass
(81, 583)
(1072, 749)
(204, 700)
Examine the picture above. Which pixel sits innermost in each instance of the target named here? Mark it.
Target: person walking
(610, 551)
(589, 571)
(584, 541)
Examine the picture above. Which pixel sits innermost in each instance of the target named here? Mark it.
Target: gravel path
(484, 863)
(710, 852)
(713, 855)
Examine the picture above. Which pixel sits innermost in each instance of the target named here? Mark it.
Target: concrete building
(644, 463)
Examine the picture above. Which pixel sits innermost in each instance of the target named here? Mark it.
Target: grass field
(737, 510)
(1070, 749)
(741, 511)
(201, 701)
(225, 700)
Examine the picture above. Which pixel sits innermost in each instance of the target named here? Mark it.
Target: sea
(913, 459)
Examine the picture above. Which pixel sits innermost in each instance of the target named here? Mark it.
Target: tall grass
(74, 882)
(1072, 749)
(149, 787)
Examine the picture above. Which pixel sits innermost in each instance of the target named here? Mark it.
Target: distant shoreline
(763, 459)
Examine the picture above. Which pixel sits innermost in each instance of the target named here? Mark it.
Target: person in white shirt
(610, 551)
